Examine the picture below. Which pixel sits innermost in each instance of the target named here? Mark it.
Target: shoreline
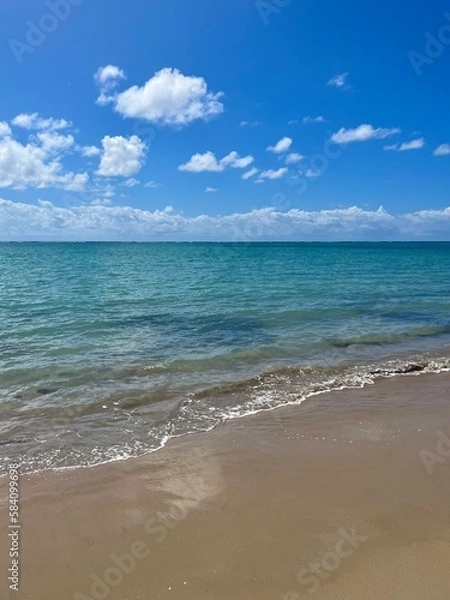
(241, 511)
(333, 378)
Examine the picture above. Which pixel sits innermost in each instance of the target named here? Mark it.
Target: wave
(134, 427)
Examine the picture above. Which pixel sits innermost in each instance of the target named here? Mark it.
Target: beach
(344, 496)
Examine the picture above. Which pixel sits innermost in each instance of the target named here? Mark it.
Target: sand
(346, 496)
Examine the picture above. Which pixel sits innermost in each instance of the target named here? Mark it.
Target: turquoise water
(109, 349)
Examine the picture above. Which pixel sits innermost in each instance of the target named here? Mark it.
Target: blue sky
(240, 120)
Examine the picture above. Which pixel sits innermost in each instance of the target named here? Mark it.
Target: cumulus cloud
(37, 164)
(281, 146)
(168, 98)
(211, 189)
(90, 151)
(34, 121)
(109, 73)
(339, 81)
(442, 150)
(412, 145)
(52, 142)
(107, 78)
(5, 129)
(234, 160)
(363, 133)
(309, 119)
(45, 221)
(121, 157)
(199, 163)
(294, 158)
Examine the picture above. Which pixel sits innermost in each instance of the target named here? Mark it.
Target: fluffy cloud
(412, 145)
(108, 73)
(168, 98)
(210, 190)
(99, 222)
(37, 164)
(339, 81)
(281, 146)
(318, 119)
(363, 133)
(107, 78)
(122, 157)
(234, 160)
(34, 121)
(5, 129)
(208, 162)
(294, 158)
(442, 150)
(52, 142)
(89, 151)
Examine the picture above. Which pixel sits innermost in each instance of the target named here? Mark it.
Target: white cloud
(208, 162)
(108, 73)
(210, 190)
(122, 157)
(293, 122)
(273, 174)
(37, 164)
(107, 78)
(234, 160)
(412, 145)
(89, 151)
(168, 98)
(5, 129)
(312, 174)
(132, 182)
(250, 173)
(250, 123)
(318, 119)
(45, 221)
(34, 121)
(151, 184)
(442, 150)
(202, 162)
(339, 81)
(281, 146)
(293, 158)
(52, 142)
(362, 134)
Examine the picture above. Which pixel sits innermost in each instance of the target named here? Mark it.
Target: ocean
(108, 350)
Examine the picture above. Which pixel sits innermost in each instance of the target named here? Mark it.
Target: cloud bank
(45, 221)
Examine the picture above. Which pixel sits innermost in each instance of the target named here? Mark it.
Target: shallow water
(109, 349)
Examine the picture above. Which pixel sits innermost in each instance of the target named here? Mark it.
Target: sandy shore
(344, 497)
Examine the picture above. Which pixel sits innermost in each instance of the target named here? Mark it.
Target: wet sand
(346, 496)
